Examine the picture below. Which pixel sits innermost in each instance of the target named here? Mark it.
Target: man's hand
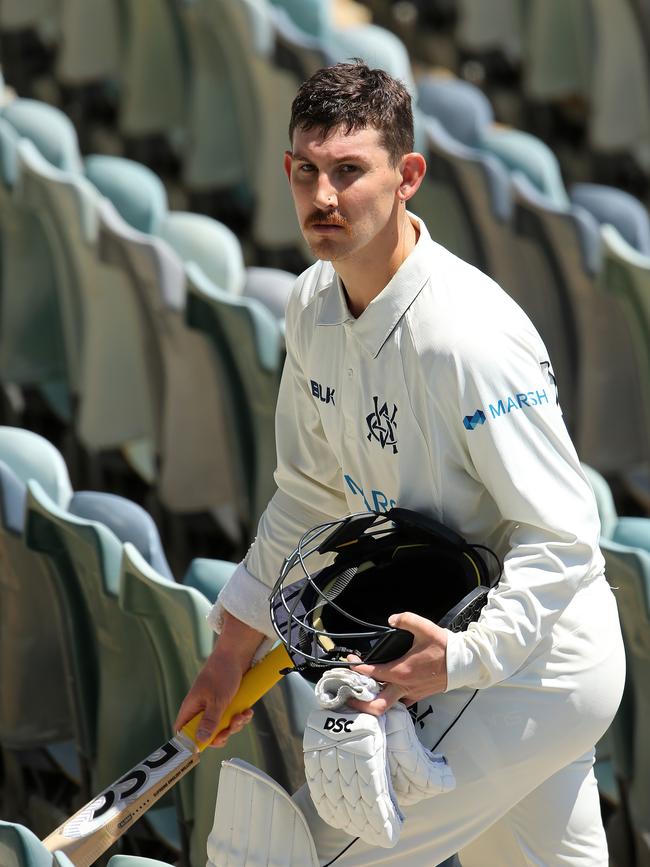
(217, 683)
(419, 673)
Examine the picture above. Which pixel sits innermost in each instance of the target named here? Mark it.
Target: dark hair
(354, 96)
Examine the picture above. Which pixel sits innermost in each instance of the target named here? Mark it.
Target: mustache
(331, 218)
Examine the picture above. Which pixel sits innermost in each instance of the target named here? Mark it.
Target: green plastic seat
(135, 861)
(109, 660)
(36, 722)
(31, 329)
(19, 847)
(247, 340)
(174, 616)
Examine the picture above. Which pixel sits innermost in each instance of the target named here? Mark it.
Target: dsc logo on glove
(338, 725)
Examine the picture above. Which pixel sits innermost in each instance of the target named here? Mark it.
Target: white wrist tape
(415, 772)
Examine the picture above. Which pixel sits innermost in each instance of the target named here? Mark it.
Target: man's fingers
(237, 723)
(411, 623)
(389, 696)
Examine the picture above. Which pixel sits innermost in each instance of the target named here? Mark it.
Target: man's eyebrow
(347, 158)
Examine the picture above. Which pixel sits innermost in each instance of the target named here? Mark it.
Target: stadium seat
(190, 457)
(247, 340)
(89, 52)
(19, 847)
(212, 246)
(31, 333)
(272, 287)
(36, 722)
(110, 662)
(138, 194)
(558, 252)
(153, 86)
(51, 131)
(174, 616)
(483, 28)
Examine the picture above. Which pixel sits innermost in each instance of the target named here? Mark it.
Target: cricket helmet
(383, 563)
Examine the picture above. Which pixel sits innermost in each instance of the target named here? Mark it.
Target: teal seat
(89, 52)
(174, 616)
(109, 662)
(247, 341)
(154, 71)
(137, 192)
(19, 847)
(51, 131)
(135, 861)
(36, 721)
(190, 459)
(32, 348)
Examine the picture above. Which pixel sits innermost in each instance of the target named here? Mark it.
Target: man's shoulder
(462, 310)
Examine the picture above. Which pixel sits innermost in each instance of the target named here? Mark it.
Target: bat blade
(93, 829)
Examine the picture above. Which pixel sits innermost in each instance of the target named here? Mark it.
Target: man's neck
(369, 272)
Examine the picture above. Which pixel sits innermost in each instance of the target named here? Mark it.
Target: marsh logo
(472, 421)
(505, 405)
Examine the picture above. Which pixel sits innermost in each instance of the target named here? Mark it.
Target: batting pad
(256, 824)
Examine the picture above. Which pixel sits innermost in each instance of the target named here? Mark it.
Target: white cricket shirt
(440, 398)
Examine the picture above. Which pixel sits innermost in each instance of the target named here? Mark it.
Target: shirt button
(350, 371)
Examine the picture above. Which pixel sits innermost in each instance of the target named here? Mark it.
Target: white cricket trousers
(522, 752)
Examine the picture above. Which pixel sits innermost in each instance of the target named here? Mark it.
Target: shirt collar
(380, 317)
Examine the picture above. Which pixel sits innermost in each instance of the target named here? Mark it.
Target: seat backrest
(628, 571)
(271, 286)
(192, 435)
(89, 52)
(110, 660)
(34, 706)
(137, 192)
(559, 253)
(175, 618)
(466, 203)
(461, 107)
(50, 130)
(31, 336)
(19, 847)
(66, 205)
(246, 339)
(154, 70)
(31, 456)
(610, 205)
(213, 246)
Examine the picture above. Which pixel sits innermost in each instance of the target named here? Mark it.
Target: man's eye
(306, 168)
(348, 168)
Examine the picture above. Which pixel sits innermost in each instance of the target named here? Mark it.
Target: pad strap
(256, 822)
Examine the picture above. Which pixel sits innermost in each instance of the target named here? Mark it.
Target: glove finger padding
(416, 773)
(347, 775)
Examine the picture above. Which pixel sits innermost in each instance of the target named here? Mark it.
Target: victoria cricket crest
(382, 424)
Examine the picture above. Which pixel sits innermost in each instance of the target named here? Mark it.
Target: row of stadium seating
(99, 645)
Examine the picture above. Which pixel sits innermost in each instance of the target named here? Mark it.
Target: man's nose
(325, 197)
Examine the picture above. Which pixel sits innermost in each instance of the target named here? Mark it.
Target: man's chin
(326, 250)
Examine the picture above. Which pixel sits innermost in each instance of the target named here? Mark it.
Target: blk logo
(473, 421)
(381, 424)
(332, 724)
(419, 717)
(326, 396)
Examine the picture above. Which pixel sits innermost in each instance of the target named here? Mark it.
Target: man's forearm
(237, 643)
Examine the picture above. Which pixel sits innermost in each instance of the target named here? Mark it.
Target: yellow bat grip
(258, 680)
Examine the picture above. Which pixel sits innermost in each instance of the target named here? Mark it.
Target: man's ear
(413, 168)
(287, 164)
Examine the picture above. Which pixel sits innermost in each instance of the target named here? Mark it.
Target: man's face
(344, 189)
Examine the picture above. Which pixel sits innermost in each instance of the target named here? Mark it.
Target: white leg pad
(256, 824)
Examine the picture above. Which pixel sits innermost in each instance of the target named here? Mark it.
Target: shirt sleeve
(515, 444)
(309, 491)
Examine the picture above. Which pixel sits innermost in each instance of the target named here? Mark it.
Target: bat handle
(255, 683)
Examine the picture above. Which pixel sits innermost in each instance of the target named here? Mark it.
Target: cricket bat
(96, 826)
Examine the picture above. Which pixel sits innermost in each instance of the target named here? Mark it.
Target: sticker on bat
(124, 791)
